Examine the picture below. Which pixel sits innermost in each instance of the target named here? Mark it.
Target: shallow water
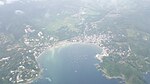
(74, 64)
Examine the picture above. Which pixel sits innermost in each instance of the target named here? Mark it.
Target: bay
(73, 64)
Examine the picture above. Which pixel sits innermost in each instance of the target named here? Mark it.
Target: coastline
(77, 40)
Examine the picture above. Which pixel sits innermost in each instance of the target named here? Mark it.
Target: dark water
(71, 65)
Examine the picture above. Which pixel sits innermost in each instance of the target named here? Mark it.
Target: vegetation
(24, 35)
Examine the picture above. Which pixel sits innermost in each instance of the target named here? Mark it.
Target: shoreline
(60, 45)
(75, 40)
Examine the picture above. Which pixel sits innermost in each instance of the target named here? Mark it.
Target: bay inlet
(72, 64)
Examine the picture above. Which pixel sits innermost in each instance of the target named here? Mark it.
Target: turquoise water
(74, 64)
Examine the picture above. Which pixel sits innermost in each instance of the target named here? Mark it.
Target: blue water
(74, 64)
(147, 78)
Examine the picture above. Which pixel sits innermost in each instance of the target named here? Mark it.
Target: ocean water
(147, 78)
(74, 64)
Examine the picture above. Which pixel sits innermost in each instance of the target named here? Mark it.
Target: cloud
(1, 3)
(11, 1)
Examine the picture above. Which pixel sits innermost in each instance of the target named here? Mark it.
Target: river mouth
(72, 64)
